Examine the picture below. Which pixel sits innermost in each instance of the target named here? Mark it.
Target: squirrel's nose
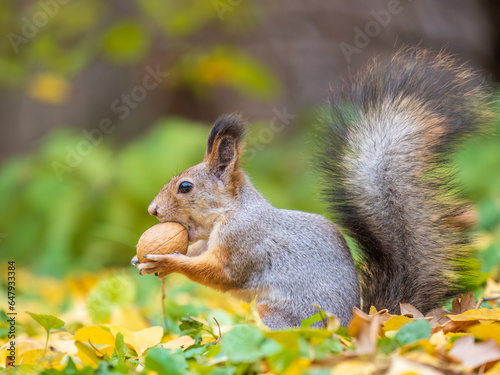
(153, 209)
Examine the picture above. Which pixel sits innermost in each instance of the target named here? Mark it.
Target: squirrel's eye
(185, 187)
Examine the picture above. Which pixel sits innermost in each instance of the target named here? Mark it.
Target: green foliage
(112, 291)
(479, 166)
(120, 348)
(318, 317)
(81, 31)
(414, 331)
(387, 345)
(228, 67)
(48, 322)
(192, 328)
(246, 344)
(125, 42)
(164, 361)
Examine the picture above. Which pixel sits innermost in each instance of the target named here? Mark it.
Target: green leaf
(328, 346)
(342, 332)
(414, 331)
(195, 350)
(120, 347)
(318, 317)
(48, 322)
(192, 328)
(164, 361)
(387, 345)
(247, 344)
(228, 370)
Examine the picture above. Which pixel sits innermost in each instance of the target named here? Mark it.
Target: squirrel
(385, 159)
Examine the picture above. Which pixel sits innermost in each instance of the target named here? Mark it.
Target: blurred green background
(102, 102)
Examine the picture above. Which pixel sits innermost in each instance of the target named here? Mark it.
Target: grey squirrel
(385, 160)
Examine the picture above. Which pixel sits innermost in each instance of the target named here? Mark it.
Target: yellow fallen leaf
(35, 357)
(354, 367)
(423, 344)
(129, 318)
(63, 342)
(440, 341)
(24, 343)
(29, 357)
(486, 331)
(106, 350)
(82, 284)
(400, 366)
(246, 307)
(87, 355)
(94, 334)
(495, 370)
(297, 366)
(28, 369)
(183, 341)
(373, 310)
(396, 322)
(479, 314)
(423, 358)
(140, 340)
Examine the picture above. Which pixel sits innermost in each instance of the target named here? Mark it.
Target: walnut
(164, 238)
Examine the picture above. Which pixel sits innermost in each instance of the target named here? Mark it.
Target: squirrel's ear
(225, 144)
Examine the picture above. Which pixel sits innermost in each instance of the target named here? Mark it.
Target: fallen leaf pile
(111, 323)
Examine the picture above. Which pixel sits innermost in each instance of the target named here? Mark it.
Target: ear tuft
(224, 146)
(231, 126)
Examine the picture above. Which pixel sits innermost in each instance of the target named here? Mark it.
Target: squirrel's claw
(134, 261)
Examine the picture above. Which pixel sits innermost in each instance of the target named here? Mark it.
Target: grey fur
(389, 186)
(388, 141)
(289, 260)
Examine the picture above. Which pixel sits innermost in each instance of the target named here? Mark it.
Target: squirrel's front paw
(161, 265)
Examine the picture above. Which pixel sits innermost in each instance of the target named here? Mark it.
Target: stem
(220, 334)
(164, 312)
(44, 349)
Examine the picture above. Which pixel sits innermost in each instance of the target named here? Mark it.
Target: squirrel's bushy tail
(390, 183)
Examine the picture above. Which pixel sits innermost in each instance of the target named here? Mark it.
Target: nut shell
(163, 238)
